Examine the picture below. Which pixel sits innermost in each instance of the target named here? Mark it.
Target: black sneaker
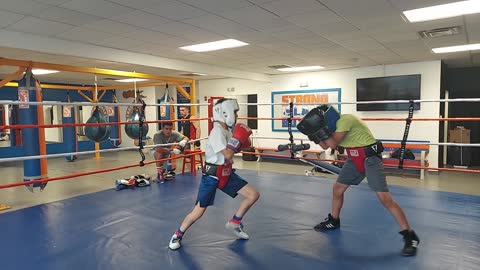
(330, 223)
(411, 243)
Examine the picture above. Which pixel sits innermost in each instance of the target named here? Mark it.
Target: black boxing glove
(321, 135)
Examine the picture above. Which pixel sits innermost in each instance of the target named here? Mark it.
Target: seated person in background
(191, 129)
(164, 136)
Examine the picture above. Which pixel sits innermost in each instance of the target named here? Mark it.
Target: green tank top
(358, 134)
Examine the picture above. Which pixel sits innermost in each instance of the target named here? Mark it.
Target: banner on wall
(301, 99)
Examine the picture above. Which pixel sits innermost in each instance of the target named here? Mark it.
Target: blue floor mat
(130, 229)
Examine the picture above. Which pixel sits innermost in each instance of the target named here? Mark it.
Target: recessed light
(460, 48)
(443, 11)
(131, 80)
(43, 71)
(215, 45)
(301, 68)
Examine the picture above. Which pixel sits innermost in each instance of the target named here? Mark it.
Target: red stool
(192, 160)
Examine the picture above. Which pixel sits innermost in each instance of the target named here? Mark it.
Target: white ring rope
(59, 103)
(279, 138)
(376, 102)
(89, 152)
(55, 103)
(418, 143)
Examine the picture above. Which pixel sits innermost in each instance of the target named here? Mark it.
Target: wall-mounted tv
(406, 87)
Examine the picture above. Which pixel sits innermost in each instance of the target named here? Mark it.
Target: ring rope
(422, 143)
(206, 118)
(17, 102)
(69, 176)
(377, 101)
(87, 152)
(95, 124)
(55, 103)
(467, 119)
(386, 165)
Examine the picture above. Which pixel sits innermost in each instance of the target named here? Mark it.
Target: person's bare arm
(335, 139)
(228, 153)
(323, 145)
(196, 124)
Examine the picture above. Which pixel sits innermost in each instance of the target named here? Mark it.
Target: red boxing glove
(247, 144)
(239, 138)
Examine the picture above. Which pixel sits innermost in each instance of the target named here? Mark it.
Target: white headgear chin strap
(225, 112)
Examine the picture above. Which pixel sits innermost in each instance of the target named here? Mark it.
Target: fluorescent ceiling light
(131, 80)
(300, 68)
(216, 45)
(443, 11)
(43, 71)
(460, 48)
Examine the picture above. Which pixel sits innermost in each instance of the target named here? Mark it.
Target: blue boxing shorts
(208, 188)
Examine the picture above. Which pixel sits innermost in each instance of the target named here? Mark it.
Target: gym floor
(84, 223)
(20, 197)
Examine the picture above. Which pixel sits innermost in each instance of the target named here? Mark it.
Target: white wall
(346, 80)
(53, 134)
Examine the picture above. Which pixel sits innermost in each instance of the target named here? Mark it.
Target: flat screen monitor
(406, 87)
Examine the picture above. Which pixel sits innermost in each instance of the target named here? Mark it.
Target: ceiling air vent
(279, 66)
(440, 32)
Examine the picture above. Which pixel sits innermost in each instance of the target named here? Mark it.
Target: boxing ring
(130, 229)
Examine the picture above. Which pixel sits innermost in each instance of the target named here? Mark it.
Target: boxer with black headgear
(325, 126)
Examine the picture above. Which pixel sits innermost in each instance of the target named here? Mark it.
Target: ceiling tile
(84, 35)
(354, 9)
(288, 8)
(335, 29)
(216, 24)
(217, 6)
(314, 19)
(173, 42)
(118, 42)
(12, 52)
(112, 27)
(138, 4)
(25, 7)
(67, 16)
(392, 21)
(98, 8)
(175, 10)
(140, 19)
(8, 18)
(52, 2)
(472, 27)
(392, 36)
(189, 32)
(39, 26)
(256, 18)
(364, 44)
(147, 35)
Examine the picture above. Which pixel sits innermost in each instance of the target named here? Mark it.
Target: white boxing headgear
(224, 111)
